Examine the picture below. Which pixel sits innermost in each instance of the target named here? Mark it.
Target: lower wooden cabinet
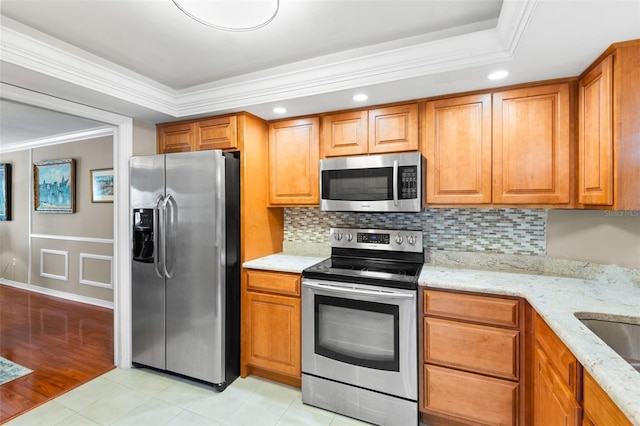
(474, 369)
(556, 380)
(599, 409)
(271, 326)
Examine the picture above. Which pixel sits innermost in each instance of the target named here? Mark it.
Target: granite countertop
(282, 262)
(556, 299)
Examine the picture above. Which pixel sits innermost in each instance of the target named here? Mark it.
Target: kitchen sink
(623, 338)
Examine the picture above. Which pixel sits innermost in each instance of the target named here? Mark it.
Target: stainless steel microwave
(372, 183)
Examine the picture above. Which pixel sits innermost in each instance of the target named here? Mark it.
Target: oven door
(360, 335)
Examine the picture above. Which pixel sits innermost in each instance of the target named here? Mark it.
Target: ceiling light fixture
(497, 75)
(361, 97)
(279, 110)
(231, 15)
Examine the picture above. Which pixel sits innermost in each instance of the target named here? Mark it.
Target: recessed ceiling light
(279, 110)
(361, 97)
(230, 15)
(497, 75)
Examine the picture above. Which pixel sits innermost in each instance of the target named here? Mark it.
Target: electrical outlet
(13, 262)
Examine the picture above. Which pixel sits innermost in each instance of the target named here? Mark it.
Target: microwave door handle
(395, 183)
(356, 291)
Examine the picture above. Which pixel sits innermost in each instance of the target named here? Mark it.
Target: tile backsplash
(496, 231)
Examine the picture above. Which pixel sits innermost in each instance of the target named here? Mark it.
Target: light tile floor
(145, 397)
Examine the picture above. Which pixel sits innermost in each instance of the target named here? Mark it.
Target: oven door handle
(350, 290)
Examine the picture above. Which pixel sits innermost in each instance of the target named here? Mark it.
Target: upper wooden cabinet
(293, 162)
(175, 137)
(511, 147)
(532, 145)
(216, 133)
(345, 134)
(382, 130)
(393, 129)
(198, 135)
(457, 146)
(609, 130)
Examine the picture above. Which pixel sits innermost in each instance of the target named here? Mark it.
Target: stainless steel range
(359, 331)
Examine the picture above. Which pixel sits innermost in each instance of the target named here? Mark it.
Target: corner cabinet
(557, 380)
(473, 350)
(609, 130)
(293, 162)
(271, 345)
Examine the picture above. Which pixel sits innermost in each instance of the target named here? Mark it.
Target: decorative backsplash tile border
(499, 231)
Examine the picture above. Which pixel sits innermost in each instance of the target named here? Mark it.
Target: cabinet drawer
(558, 355)
(273, 282)
(486, 350)
(484, 309)
(469, 397)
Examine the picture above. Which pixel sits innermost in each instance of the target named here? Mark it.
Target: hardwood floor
(65, 343)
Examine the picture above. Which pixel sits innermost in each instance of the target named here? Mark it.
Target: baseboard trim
(58, 293)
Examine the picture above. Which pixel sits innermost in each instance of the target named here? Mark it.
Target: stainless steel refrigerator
(185, 264)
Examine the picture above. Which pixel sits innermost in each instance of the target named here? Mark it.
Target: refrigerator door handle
(156, 238)
(171, 212)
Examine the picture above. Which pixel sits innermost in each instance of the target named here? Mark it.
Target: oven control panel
(377, 239)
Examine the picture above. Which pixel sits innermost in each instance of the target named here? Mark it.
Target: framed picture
(54, 186)
(5, 191)
(102, 186)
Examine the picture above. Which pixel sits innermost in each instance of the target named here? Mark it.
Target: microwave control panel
(408, 181)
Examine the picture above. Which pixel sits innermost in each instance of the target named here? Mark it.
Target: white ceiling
(146, 59)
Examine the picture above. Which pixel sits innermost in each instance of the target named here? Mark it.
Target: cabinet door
(457, 146)
(344, 134)
(531, 145)
(393, 129)
(599, 409)
(293, 162)
(273, 327)
(178, 137)
(595, 138)
(216, 133)
(553, 402)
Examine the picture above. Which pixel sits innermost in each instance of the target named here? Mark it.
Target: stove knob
(411, 239)
(349, 237)
(337, 236)
(398, 239)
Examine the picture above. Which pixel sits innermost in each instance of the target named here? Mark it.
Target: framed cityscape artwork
(102, 189)
(54, 186)
(5, 191)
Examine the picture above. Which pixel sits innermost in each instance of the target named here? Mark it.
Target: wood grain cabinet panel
(273, 282)
(456, 136)
(473, 350)
(559, 356)
(554, 403)
(531, 145)
(488, 350)
(469, 398)
(273, 327)
(175, 137)
(294, 152)
(216, 133)
(393, 129)
(599, 409)
(469, 307)
(609, 130)
(345, 134)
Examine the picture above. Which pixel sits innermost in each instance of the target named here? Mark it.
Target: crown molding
(286, 82)
(98, 132)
